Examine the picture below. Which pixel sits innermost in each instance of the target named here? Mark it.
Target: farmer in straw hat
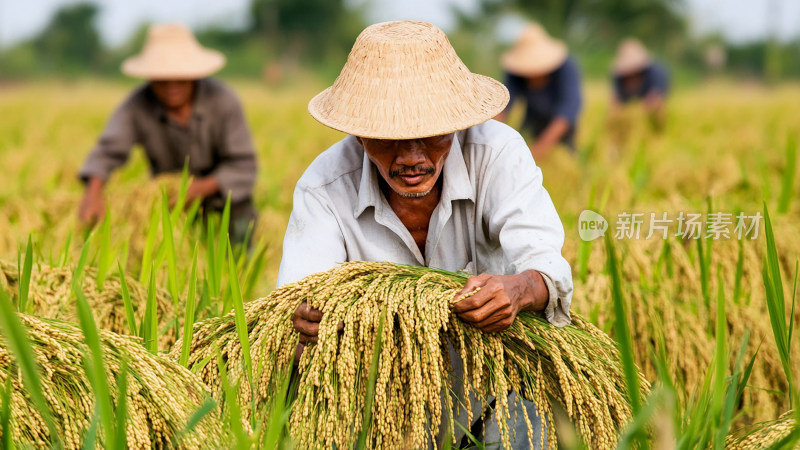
(540, 71)
(425, 177)
(637, 77)
(177, 114)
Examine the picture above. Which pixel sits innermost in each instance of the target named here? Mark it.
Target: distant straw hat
(403, 80)
(632, 57)
(171, 52)
(534, 53)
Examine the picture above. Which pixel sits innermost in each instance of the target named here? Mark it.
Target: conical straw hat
(403, 80)
(171, 52)
(534, 53)
(631, 57)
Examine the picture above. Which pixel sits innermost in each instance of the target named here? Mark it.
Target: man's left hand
(500, 298)
(201, 188)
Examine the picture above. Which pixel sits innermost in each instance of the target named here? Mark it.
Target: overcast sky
(740, 20)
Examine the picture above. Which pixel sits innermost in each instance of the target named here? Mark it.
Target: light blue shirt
(494, 216)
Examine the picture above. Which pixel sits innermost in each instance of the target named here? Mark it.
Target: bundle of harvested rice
(577, 365)
(161, 395)
(50, 297)
(765, 434)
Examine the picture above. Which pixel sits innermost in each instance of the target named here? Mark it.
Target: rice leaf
(5, 416)
(150, 242)
(126, 299)
(95, 368)
(189, 312)
(25, 277)
(17, 340)
(169, 245)
(622, 331)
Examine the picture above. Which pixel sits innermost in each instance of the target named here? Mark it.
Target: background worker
(177, 114)
(540, 72)
(424, 177)
(636, 76)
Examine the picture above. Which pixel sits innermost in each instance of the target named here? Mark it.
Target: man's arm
(236, 171)
(550, 137)
(111, 151)
(521, 216)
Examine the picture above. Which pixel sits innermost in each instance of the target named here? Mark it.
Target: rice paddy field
(682, 338)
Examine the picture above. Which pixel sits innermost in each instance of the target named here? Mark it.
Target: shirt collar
(456, 183)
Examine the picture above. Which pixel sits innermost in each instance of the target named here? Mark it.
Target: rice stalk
(161, 396)
(577, 366)
(50, 297)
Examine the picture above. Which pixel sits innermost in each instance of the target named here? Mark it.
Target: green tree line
(315, 35)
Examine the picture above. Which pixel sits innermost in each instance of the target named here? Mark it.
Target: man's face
(633, 83)
(173, 94)
(538, 81)
(410, 167)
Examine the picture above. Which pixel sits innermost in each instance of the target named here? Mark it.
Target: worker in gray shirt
(179, 114)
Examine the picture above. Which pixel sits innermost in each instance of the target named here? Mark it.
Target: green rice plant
(147, 254)
(546, 363)
(776, 304)
(621, 331)
(189, 312)
(105, 257)
(25, 277)
(169, 245)
(126, 300)
(16, 338)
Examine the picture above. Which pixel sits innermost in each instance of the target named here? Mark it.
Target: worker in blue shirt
(637, 77)
(540, 72)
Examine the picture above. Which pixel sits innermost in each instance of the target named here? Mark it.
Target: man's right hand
(93, 207)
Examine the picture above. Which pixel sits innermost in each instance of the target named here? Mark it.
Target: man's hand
(92, 207)
(201, 188)
(306, 322)
(550, 137)
(500, 298)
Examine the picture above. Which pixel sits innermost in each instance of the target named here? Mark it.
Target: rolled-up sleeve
(114, 146)
(568, 104)
(522, 215)
(236, 171)
(313, 241)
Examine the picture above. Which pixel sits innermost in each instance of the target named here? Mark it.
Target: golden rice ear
(407, 309)
(403, 80)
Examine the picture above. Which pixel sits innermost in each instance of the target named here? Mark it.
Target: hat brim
(187, 67)
(440, 119)
(535, 61)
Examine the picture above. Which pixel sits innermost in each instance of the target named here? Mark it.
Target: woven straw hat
(631, 57)
(403, 80)
(171, 52)
(534, 53)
